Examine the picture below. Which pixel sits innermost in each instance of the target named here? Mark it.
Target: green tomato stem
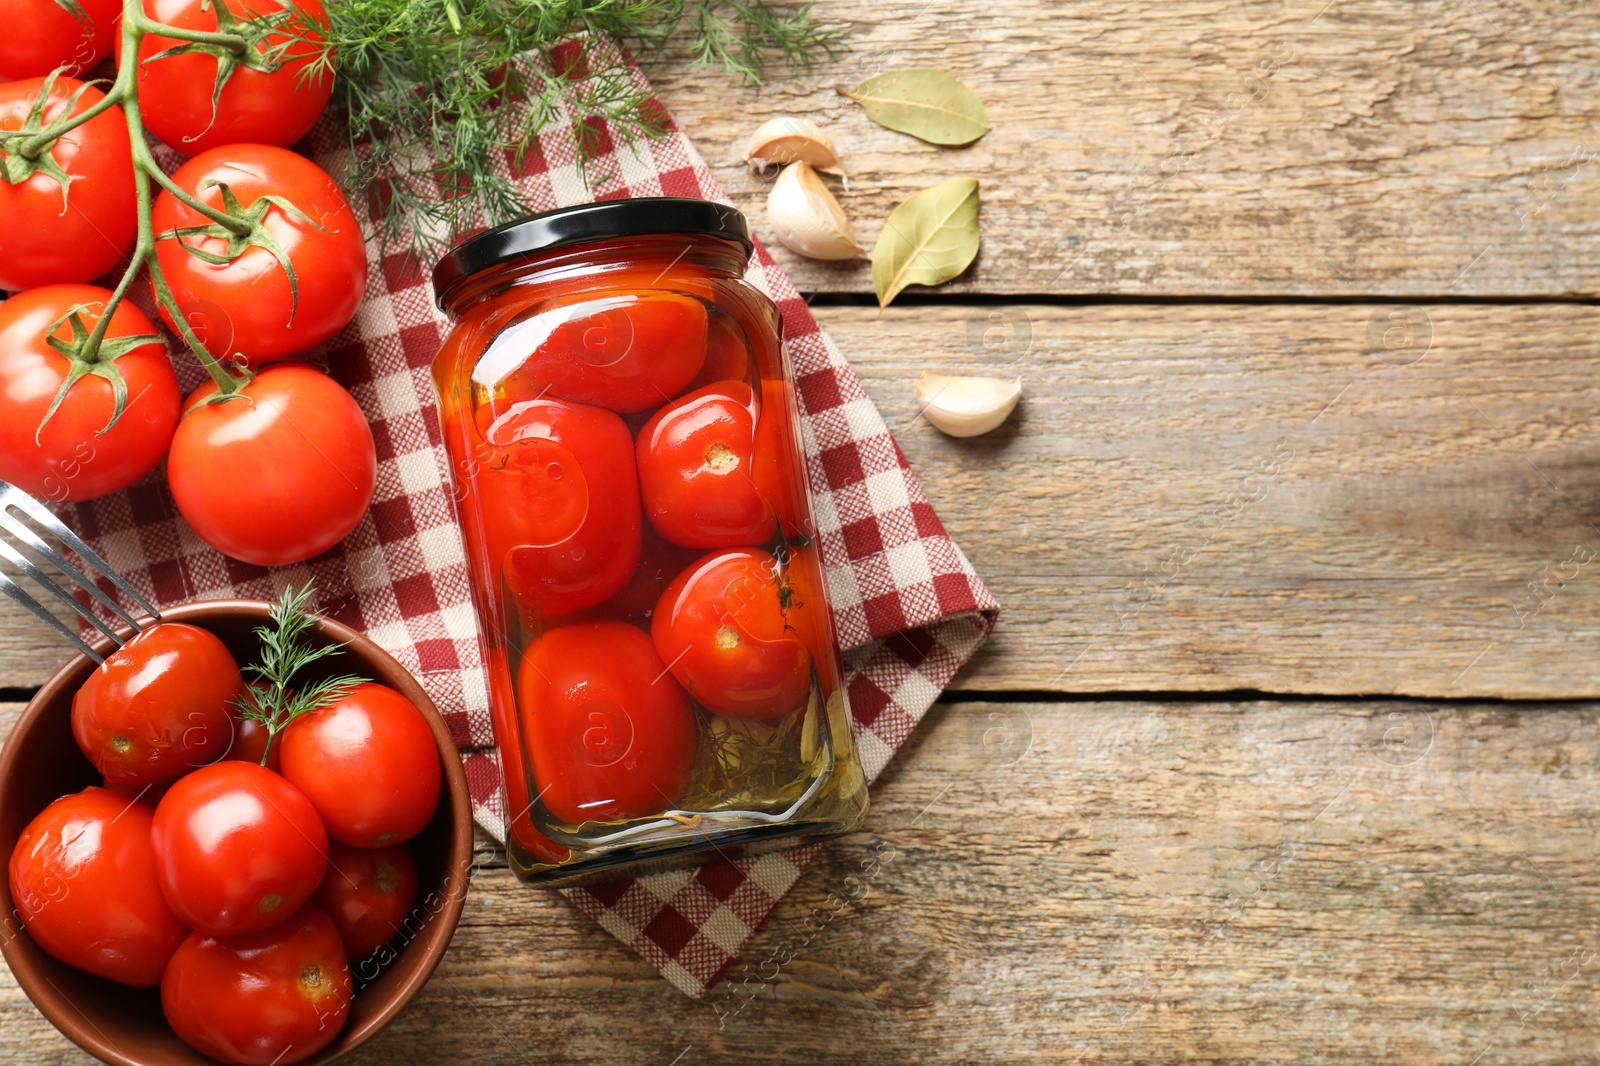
(126, 90)
(231, 41)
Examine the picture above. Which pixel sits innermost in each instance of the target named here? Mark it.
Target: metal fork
(15, 502)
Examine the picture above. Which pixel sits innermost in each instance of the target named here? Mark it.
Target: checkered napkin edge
(907, 604)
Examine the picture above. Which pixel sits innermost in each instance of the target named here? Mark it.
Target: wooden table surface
(1300, 767)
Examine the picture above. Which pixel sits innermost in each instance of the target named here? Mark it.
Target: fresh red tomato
(83, 881)
(256, 105)
(560, 502)
(375, 736)
(279, 476)
(70, 458)
(267, 998)
(158, 706)
(43, 35)
(368, 892)
(237, 848)
(48, 235)
(725, 626)
(626, 352)
(695, 470)
(611, 734)
(249, 308)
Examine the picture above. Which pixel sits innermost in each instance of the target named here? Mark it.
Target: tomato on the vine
(74, 456)
(69, 213)
(610, 733)
(158, 706)
(560, 501)
(278, 476)
(369, 764)
(43, 35)
(83, 881)
(273, 93)
(695, 470)
(728, 628)
(368, 893)
(267, 998)
(627, 352)
(238, 848)
(293, 280)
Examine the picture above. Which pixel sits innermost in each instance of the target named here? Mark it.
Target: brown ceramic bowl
(40, 762)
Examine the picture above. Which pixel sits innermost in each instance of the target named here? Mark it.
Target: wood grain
(1260, 147)
(1123, 881)
(1390, 551)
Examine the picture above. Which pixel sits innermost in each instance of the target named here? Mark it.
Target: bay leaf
(929, 104)
(927, 240)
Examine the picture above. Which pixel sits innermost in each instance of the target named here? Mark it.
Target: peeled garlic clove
(791, 140)
(806, 217)
(966, 407)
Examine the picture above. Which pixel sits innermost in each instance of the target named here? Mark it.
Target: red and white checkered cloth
(908, 606)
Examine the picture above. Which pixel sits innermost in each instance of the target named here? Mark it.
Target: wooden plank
(1319, 882)
(1416, 147)
(1203, 497)
(1389, 551)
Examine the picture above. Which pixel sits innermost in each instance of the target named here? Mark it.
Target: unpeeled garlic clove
(806, 217)
(791, 140)
(966, 407)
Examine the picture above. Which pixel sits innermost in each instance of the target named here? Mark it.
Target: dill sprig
(442, 104)
(285, 651)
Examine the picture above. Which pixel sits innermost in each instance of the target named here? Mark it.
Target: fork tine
(16, 592)
(26, 535)
(23, 563)
(42, 514)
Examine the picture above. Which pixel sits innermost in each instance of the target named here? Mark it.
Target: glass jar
(664, 678)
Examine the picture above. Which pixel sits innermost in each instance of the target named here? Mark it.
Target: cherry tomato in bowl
(178, 91)
(158, 706)
(730, 626)
(368, 763)
(611, 734)
(256, 306)
(71, 455)
(83, 881)
(50, 235)
(266, 998)
(276, 477)
(368, 892)
(238, 848)
(695, 470)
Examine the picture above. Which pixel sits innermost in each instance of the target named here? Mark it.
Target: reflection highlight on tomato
(695, 470)
(83, 881)
(560, 502)
(726, 626)
(610, 734)
(158, 706)
(627, 352)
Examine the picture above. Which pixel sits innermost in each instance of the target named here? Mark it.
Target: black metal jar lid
(643, 216)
